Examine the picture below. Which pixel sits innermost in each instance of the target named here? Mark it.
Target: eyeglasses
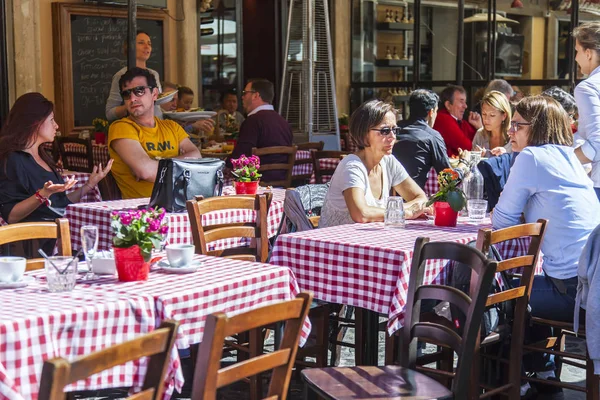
(138, 91)
(247, 91)
(386, 131)
(515, 126)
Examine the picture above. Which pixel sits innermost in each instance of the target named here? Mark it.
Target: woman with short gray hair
(363, 180)
(587, 96)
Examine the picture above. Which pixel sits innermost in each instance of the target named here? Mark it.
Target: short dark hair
(448, 94)
(230, 92)
(501, 86)
(185, 90)
(134, 72)
(565, 99)
(422, 101)
(264, 88)
(367, 116)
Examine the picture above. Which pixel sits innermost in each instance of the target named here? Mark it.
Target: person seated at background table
(567, 101)
(135, 142)
(457, 133)
(548, 181)
(500, 85)
(169, 106)
(263, 127)
(492, 138)
(419, 147)
(185, 98)
(115, 108)
(363, 180)
(229, 109)
(31, 189)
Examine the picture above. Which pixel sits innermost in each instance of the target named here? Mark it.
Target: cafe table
(180, 231)
(368, 265)
(37, 325)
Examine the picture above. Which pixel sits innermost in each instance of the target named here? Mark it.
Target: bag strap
(187, 176)
(220, 182)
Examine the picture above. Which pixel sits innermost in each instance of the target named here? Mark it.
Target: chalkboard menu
(88, 49)
(98, 52)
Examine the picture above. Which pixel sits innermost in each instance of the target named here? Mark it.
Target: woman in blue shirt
(548, 181)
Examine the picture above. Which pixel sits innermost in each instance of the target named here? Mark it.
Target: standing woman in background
(115, 109)
(587, 96)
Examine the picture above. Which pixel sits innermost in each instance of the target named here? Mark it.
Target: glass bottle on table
(473, 184)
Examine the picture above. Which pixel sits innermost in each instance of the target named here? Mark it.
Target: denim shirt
(587, 96)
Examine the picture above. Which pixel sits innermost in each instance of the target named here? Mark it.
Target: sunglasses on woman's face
(387, 131)
(138, 91)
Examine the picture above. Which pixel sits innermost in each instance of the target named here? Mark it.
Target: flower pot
(231, 142)
(444, 214)
(130, 264)
(245, 187)
(344, 128)
(100, 137)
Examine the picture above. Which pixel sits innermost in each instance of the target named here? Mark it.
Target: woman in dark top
(31, 189)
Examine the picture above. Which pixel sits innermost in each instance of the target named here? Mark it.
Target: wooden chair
(256, 231)
(109, 189)
(409, 379)
(74, 160)
(290, 151)
(303, 179)
(209, 377)
(38, 230)
(59, 372)
(319, 155)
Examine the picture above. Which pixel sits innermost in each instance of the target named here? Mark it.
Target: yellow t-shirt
(161, 141)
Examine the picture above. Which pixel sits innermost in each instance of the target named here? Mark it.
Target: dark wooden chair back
(472, 307)
(311, 146)
(109, 189)
(256, 231)
(59, 372)
(322, 172)
(290, 151)
(208, 377)
(38, 230)
(525, 266)
(81, 159)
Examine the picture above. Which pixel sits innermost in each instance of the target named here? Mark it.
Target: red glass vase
(444, 214)
(245, 187)
(100, 137)
(130, 264)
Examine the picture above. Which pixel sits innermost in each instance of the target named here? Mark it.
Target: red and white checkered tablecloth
(99, 152)
(367, 265)
(99, 214)
(431, 184)
(36, 325)
(219, 285)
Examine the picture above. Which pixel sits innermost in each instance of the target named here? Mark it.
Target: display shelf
(385, 63)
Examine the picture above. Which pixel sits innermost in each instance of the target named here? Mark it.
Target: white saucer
(26, 280)
(179, 270)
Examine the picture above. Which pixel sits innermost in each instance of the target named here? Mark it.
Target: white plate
(26, 280)
(179, 270)
(190, 116)
(166, 99)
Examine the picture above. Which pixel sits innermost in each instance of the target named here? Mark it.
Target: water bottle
(473, 184)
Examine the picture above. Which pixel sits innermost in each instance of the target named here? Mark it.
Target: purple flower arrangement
(245, 169)
(146, 228)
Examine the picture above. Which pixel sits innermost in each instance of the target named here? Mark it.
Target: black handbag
(178, 181)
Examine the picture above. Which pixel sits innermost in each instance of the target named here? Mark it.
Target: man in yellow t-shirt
(135, 142)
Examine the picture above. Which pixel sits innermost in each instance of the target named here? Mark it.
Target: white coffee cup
(12, 268)
(180, 255)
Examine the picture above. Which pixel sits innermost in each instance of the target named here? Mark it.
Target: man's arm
(439, 155)
(132, 153)
(188, 150)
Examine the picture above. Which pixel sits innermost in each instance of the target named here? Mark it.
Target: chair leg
(256, 348)
(391, 349)
(592, 381)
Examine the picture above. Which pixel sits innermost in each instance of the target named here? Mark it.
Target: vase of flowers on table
(449, 199)
(245, 174)
(100, 130)
(343, 122)
(136, 233)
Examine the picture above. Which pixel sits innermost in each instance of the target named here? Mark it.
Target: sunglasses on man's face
(138, 91)
(387, 131)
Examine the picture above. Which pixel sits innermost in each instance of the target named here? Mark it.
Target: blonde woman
(492, 138)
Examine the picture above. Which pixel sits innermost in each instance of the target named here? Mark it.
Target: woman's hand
(99, 173)
(204, 126)
(50, 188)
(498, 151)
(482, 150)
(416, 210)
(464, 154)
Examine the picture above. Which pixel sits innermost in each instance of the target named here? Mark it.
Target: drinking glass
(89, 243)
(394, 212)
(60, 273)
(477, 209)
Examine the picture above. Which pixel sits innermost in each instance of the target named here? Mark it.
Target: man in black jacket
(419, 147)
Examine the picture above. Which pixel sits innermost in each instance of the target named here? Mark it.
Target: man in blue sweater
(263, 127)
